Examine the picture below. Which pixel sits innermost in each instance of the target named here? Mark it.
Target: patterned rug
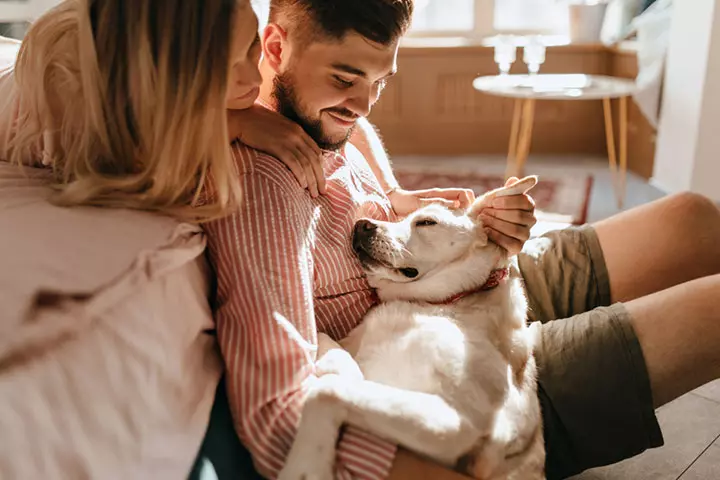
(559, 199)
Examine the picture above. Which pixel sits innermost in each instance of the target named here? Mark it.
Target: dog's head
(433, 253)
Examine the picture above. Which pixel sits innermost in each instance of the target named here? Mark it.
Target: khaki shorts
(593, 383)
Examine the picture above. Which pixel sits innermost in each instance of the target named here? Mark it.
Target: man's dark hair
(381, 21)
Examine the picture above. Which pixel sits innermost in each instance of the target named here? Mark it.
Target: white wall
(21, 11)
(688, 149)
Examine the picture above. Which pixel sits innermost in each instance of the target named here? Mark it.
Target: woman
(106, 369)
(126, 104)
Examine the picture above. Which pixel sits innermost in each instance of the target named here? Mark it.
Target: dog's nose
(364, 230)
(365, 227)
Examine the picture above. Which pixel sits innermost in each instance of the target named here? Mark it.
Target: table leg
(528, 118)
(514, 131)
(623, 151)
(610, 139)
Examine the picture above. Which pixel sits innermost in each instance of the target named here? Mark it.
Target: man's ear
(274, 44)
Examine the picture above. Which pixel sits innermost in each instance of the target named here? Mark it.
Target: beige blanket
(106, 369)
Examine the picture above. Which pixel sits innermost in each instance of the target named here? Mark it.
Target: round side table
(526, 89)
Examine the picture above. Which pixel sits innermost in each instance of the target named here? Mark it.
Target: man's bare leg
(679, 333)
(661, 244)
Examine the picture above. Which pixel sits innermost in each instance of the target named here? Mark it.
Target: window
(535, 16)
(443, 16)
(477, 18)
(480, 18)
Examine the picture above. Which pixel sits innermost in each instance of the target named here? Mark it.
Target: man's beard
(289, 105)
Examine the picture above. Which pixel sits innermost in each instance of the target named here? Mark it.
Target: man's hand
(508, 220)
(405, 202)
(284, 139)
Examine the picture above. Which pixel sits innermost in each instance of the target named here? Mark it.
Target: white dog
(445, 361)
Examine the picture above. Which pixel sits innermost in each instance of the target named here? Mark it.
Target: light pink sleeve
(266, 328)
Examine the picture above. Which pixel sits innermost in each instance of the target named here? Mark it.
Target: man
(285, 268)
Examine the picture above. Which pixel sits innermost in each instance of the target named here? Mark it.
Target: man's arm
(366, 139)
(408, 466)
(266, 326)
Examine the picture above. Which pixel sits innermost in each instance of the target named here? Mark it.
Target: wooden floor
(690, 424)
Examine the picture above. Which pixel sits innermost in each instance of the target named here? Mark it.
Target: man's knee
(694, 208)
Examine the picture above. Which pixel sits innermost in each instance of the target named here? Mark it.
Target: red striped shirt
(285, 272)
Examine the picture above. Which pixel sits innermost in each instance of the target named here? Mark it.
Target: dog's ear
(520, 187)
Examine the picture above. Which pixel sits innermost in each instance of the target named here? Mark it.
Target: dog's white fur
(453, 382)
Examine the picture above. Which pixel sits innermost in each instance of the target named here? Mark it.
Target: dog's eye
(409, 272)
(425, 223)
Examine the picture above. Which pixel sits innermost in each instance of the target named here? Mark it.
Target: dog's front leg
(422, 422)
(312, 456)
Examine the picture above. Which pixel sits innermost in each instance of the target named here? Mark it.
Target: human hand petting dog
(405, 202)
(508, 219)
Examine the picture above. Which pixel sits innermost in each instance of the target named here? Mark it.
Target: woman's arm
(284, 139)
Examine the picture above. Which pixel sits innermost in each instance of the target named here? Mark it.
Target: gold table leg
(520, 136)
(619, 175)
(623, 151)
(514, 131)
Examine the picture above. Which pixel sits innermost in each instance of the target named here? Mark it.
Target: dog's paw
(339, 362)
(312, 455)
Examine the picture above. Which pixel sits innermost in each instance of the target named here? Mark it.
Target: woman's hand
(508, 220)
(284, 139)
(404, 202)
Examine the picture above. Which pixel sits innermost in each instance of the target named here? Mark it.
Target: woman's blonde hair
(128, 98)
